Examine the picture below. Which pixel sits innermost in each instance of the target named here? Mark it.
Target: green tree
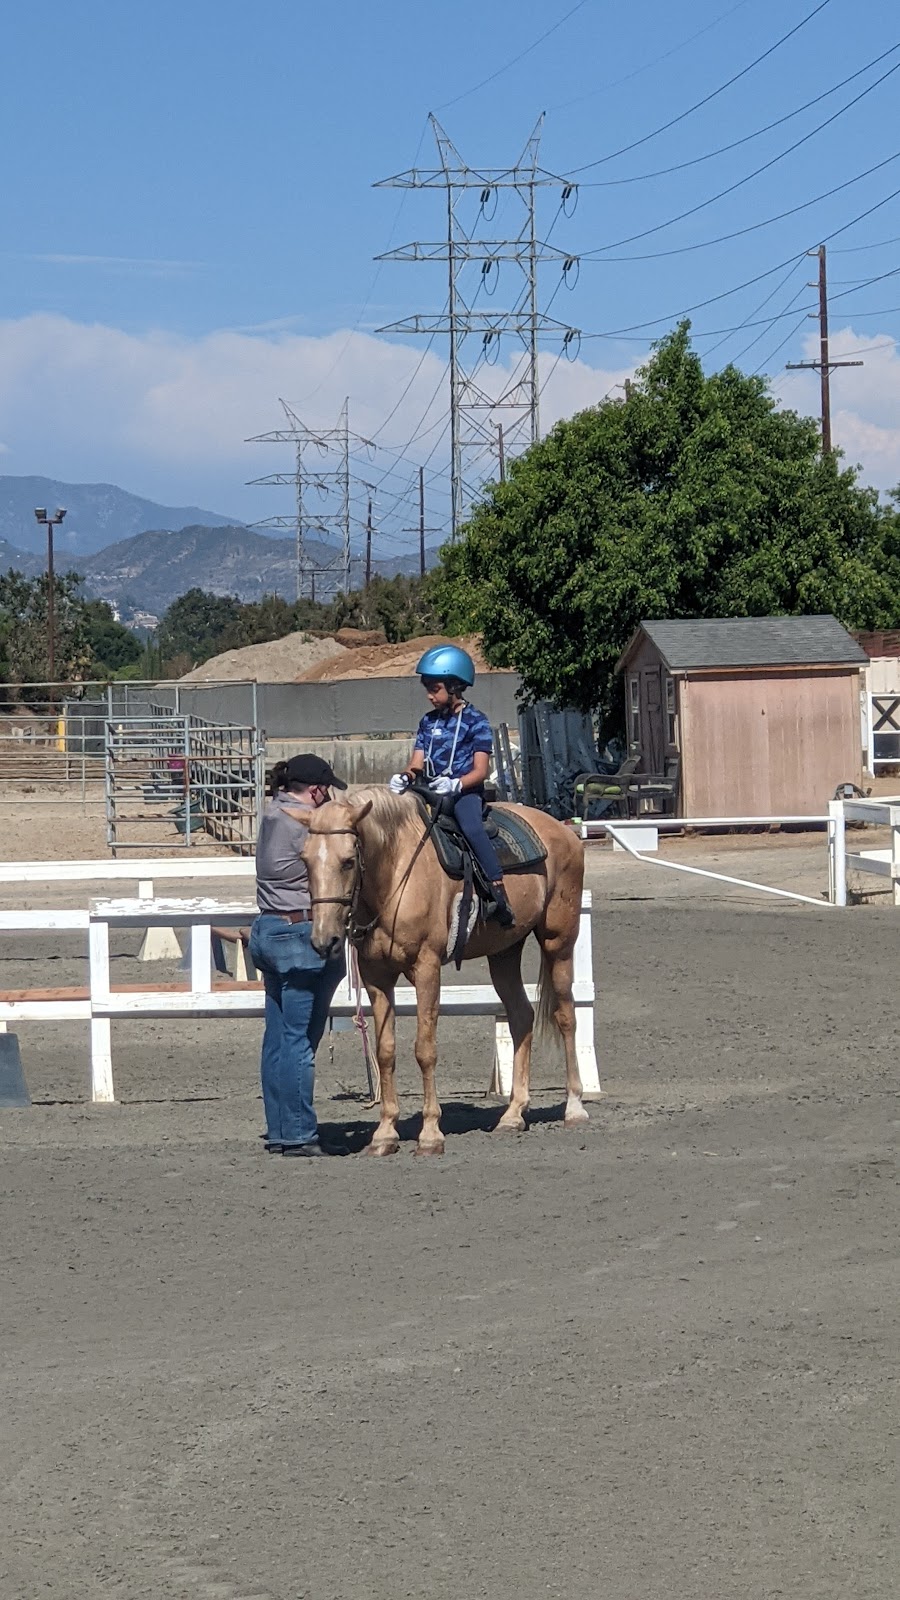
(400, 606)
(195, 624)
(692, 497)
(257, 622)
(24, 629)
(112, 646)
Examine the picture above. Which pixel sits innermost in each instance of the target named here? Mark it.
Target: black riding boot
(504, 914)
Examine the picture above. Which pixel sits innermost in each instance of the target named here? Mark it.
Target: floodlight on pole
(50, 523)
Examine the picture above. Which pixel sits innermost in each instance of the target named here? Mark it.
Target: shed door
(652, 751)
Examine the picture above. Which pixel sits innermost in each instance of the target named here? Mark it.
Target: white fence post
(102, 1089)
(584, 1001)
(837, 853)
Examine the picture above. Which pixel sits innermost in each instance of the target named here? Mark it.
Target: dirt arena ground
(653, 1360)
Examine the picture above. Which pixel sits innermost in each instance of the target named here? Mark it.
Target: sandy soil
(388, 660)
(278, 661)
(651, 1359)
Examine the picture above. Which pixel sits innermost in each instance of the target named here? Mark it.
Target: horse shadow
(457, 1117)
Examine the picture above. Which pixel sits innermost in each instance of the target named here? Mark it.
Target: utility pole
(471, 403)
(327, 481)
(501, 453)
(421, 530)
(368, 546)
(824, 366)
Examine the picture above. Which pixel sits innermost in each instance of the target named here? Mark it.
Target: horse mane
(392, 816)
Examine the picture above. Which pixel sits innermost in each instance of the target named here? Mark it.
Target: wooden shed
(761, 715)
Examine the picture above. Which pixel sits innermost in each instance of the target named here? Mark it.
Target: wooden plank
(44, 921)
(14, 997)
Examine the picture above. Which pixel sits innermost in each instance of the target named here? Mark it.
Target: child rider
(453, 751)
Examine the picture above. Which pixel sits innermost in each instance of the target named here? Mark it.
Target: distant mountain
(97, 514)
(20, 560)
(148, 572)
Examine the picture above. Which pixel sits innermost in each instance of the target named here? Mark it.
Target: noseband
(341, 899)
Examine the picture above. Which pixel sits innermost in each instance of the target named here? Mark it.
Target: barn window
(671, 713)
(634, 710)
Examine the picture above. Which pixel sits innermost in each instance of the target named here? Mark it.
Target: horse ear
(300, 813)
(360, 810)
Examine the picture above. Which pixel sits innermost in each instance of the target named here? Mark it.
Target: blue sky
(190, 220)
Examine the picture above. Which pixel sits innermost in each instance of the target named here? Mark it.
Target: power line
(787, 312)
(753, 227)
(446, 104)
(770, 296)
(616, 83)
(855, 249)
(664, 128)
(779, 347)
(867, 349)
(369, 292)
(739, 183)
(722, 149)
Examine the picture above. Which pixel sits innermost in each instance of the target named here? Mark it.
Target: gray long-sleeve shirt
(281, 880)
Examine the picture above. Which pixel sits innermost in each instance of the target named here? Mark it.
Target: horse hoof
(382, 1147)
(576, 1116)
(510, 1124)
(436, 1149)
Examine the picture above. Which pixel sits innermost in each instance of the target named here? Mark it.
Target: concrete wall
(357, 761)
(356, 706)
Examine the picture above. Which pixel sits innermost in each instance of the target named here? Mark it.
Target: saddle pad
(516, 843)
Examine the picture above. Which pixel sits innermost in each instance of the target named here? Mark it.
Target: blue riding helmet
(447, 661)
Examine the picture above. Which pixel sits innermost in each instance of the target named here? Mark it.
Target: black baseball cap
(313, 772)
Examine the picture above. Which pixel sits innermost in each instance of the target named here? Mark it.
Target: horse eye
(348, 862)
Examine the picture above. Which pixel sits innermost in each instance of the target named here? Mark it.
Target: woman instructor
(299, 984)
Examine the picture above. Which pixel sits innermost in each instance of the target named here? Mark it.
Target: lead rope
(373, 1076)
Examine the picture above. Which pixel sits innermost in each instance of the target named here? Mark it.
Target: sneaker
(313, 1147)
(504, 915)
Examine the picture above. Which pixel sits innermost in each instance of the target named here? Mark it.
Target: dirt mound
(280, 661)
(355, 638)
(387, 660)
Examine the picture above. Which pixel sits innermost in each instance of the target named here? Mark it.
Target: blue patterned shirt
(470, 730)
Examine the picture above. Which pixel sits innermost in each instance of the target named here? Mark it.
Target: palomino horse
(373, 875)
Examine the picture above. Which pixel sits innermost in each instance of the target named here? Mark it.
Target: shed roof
(733, 642)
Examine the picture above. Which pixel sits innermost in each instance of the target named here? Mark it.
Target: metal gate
(175, 779)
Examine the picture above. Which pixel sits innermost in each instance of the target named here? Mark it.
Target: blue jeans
(467, 811)
(299, 987)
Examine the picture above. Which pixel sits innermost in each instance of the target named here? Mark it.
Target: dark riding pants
(468, 812)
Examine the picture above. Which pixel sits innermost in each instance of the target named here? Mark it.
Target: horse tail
(546, 1025)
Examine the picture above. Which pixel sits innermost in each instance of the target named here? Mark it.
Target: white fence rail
(98, 1003)
(882, 863)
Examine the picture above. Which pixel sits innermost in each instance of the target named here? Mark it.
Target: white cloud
(167, 416)
(865, 401)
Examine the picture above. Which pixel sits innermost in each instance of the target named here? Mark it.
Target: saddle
(518, 847)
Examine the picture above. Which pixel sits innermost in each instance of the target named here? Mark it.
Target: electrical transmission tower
(331, 484)
(475, 335)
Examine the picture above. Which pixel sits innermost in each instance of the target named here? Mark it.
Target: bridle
(352, 898)
(357, 932)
